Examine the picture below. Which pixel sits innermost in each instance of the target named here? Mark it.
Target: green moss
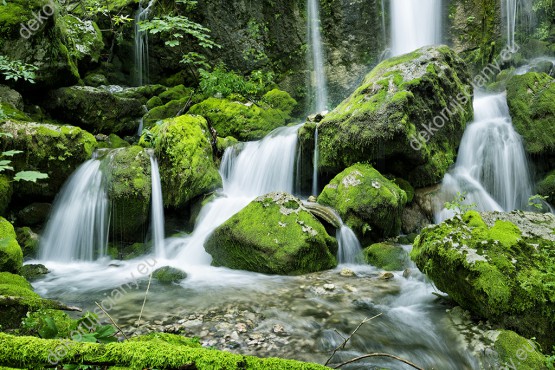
(12, 113)
(517, 352)
(274, 234)
(168, 275)
(546, 187)
(406, 187)
(176, 93)
(6, 191)
(367, 202)
(154, 102)
(386, 256)
(28, 240)
(242, 121)
(7, 278)
(223, 143)
(184, 150)
(11, 256)
(161, 352)
(280, 100)
(473, 219)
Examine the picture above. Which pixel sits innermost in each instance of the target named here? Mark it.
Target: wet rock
(169, 275)
(345, 272)
(34, 214)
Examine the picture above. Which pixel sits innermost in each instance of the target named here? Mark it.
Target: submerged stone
(274, 234)
(169, 274)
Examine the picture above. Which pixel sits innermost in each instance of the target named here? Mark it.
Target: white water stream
(319, 81)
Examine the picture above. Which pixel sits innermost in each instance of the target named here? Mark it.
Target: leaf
(11, 153)
(86, 338)
(48, 329)
(104, 331)
(32, 176)
(6, 134)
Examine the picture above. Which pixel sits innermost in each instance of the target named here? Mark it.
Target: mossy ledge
(159, 351)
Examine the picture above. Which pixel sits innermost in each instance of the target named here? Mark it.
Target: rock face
(367, 202)
(187, 169)
(498, 266)
(52, 149)
(95, 110)
(247, 121)
(11, 256)
(408, 117)
(129, 179)
(274, 234)
(531, 100)
(546, 187)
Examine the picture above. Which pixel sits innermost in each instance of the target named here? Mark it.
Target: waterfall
(510, 14)
(78, 228)
(141, 74)
(315, 46)
(349, 246)
(256, 168)
(491, 167)
(414, 23)
(315, 170)
(157, 210)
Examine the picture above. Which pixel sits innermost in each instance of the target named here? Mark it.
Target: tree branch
(379, 355)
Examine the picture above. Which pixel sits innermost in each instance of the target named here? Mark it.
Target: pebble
(347, 272)
(329, 287)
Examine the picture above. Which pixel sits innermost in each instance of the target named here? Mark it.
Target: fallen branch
(144, 301)
(379, 355)
(112, 320)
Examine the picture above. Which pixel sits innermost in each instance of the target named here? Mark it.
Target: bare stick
(146, 294)
(345, 340)
(379, 355)
(112, 320)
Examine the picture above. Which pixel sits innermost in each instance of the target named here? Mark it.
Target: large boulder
(531, 100)
(407, 117)
(244, 120)
(129, 190)
(96, 110)
(367, 202)
(546, 187)
(51, 149)
(184, 150)
(11, 256)
(497, 265)
(274, 234)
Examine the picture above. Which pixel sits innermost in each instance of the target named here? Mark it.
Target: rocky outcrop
(274, 234)
(499, 266)
(367, 202)
(11, 256)
(407, 116)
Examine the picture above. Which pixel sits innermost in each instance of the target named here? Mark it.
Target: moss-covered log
(160, 351)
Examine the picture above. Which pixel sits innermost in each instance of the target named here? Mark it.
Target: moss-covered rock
(34, 214)
(367, 202)
(386, 256)
(95, 110)
(51, 149)
(407, 117)
(516, 352)
(6, 191)
(245, 121)
(280, 100)
(498, 266)
(169, 275)
(35, 271)
(274, 234)
(129, 192)
(28, 240)
(546, 187)
(531, 100)
(84, 39)
(184, 151)
(11, 256)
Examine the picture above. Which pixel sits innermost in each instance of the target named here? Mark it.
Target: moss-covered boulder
(51, 149)
(407, 117)
(11, 256)
(498, 266)
(531, 100)
(367, 202)
(94, 109)
(246, 121)
(84, 38)
(516, 352)
(546, 187)
(168, 275)
(28, 241)
(31, 272)
(129, 192)
(386, 256)
(274, 234)
(184, 150)
(6, 191)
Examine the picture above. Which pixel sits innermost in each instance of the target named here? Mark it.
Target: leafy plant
(224, 83)
(16, 70)
(537, 201)
(457, 204)
(550, 361)
(5, 165)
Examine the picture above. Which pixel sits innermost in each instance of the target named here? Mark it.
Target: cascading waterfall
(510, 14)
(491, 167)
(141, 73)
(157, 210)
(257, 168)
(315, 43)
(315, 164)
(78, 228)
(349, 248)
(414, 23)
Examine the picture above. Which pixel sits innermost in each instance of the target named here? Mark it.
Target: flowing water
(510, 8)
(350, 250)
(157, 209)
(492, 168)
(78, 225)
(315, 164)
(315, 45)
(141, 71)
(414, 23)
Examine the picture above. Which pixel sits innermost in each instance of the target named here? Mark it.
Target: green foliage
(32, 176)
(537, 201)
(458, 206)
(16, 69)
(221, 82)
(550, 361)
